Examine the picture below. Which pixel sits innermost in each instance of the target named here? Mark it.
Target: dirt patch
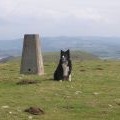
(34, 111)
(68, 107)
(118, 103)
(82, 70)
(81, 66)
(99, 68)
(26, 82)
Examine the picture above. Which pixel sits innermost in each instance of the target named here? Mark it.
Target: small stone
(30, 117)
(78, 92)
(95, 93)
(10, 112)
(110, 105)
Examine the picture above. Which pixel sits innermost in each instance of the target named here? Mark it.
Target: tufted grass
(93, 94)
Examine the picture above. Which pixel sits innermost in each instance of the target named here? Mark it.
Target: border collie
(63, 71)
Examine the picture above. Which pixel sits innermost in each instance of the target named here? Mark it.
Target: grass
(75, 55)
(93, 94)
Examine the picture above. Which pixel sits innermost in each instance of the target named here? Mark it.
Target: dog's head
(65, 56)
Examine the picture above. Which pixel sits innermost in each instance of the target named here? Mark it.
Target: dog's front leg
(69, 78)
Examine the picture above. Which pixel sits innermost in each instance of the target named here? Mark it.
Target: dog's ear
(61, 53)
(68, 53)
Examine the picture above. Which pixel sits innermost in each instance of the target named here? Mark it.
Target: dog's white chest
(65, 69)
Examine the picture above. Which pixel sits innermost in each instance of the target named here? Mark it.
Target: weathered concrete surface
(32, 61)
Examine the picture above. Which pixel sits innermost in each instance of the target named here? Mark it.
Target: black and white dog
(63, 71)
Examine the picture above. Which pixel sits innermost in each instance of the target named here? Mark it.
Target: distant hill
(55, 56)
(75, 56)
(104, 47)
(6, 59)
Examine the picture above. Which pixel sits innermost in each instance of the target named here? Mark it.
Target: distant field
(75, 56)
(93, 94)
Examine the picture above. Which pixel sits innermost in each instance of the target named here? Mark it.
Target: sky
(59, 18)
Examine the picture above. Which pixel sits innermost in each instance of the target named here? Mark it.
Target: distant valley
(103, 47)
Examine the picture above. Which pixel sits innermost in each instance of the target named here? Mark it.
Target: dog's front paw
(60, 80)
(70, 78)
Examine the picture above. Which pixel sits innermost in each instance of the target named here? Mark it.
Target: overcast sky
(59, 18)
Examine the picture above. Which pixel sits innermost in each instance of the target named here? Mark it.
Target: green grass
(75, 55)
(93, 94)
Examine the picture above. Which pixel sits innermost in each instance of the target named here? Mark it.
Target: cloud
(62, 16)
(47, 9)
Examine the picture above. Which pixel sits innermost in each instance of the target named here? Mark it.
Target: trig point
(32, 62)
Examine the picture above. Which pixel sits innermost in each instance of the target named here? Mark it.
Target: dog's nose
(63, 58)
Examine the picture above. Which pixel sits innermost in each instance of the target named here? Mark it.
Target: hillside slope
(93, 94)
